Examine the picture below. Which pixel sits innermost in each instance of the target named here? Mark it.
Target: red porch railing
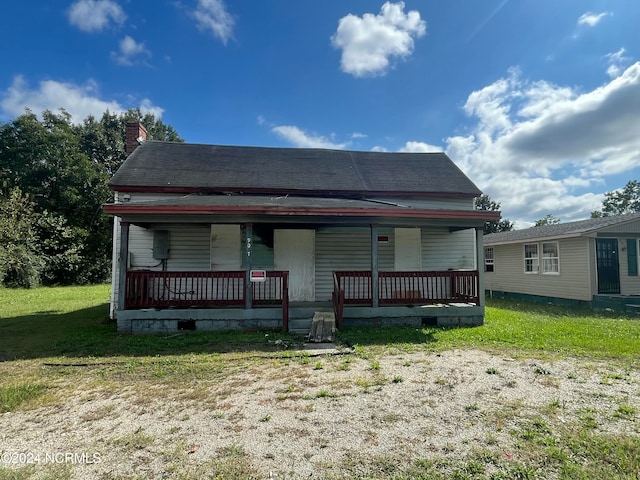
(160, 289)
(402, 288)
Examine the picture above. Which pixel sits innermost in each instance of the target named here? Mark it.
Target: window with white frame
(531, 259)
(550, 258)
(488, 259)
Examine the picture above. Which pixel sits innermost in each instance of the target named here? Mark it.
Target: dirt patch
(327, 417)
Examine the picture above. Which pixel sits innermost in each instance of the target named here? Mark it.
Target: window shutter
(632, 256)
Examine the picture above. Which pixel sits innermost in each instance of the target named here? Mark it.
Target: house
(224, 237)
(591, 263)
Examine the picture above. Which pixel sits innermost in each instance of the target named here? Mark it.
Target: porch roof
(202, 208)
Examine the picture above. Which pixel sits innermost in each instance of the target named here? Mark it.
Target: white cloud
(421, 147)
(146, 106)
(79, 101)
(528, 135)
(591, 19)
(302, 139)
(95, 15)
(212, 16)
(617, 62)
(369, 42)
(131, 52)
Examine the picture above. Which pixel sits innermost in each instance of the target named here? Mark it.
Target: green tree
(619, 202)
(62, 170)
(21, 262)
(547, 220)
(484, 202)
(43, 158)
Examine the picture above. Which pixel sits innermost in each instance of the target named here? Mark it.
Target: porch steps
(300, 326)
(320, 328)
(323, 327)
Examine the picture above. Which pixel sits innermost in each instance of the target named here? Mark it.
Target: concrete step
(300, 326)
(323, 327)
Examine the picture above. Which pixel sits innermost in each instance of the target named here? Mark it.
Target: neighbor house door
(295, 252)
(607, 265)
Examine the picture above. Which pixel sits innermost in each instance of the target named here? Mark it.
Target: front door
(607, 265)
(407, 250)
(295, 252)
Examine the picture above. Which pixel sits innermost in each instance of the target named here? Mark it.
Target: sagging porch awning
(265, 208)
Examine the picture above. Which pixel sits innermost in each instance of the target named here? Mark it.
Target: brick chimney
(136, 134)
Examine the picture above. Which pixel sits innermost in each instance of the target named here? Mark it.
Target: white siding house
(239, 237)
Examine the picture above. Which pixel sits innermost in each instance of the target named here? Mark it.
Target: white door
(295, 251)
(225, 247)
(408, 251)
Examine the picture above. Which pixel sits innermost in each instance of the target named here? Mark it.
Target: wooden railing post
(123, 263)
(374, 266)
(284, 290)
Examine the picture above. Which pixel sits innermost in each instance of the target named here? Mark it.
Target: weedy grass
(515, 328)
(19, 396)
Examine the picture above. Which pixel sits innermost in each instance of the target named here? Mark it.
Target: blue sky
(537, 101)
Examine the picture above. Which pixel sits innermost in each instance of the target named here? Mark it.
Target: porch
(215, 300)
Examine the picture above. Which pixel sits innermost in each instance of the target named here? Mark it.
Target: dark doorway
(607, 265)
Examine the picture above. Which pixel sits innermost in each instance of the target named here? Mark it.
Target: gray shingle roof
(578, 228)
(194, 167)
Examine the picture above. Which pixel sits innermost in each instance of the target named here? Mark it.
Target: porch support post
(480, 261)
(123, 264)
(248, 296)
(375, 301)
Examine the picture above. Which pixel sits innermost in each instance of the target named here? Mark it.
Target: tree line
(54, 177)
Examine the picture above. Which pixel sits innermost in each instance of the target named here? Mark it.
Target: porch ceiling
(290, 209)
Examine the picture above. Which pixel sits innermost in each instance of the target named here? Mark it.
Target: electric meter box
(161, 244)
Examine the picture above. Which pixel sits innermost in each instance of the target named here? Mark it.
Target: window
(531, 261)
(488, 259)
(550, 258)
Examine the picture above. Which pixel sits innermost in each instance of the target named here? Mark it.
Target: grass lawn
(53, 340)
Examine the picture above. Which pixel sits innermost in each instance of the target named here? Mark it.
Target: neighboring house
(591, 263)
(223, 237)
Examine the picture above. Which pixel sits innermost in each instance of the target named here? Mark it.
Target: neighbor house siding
(572, 282)
(629, 284)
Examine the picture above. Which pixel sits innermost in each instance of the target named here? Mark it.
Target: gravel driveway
(335, 416)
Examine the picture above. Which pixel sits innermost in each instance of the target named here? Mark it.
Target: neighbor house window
(550, 257)
(488, 259)
(531, 258)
